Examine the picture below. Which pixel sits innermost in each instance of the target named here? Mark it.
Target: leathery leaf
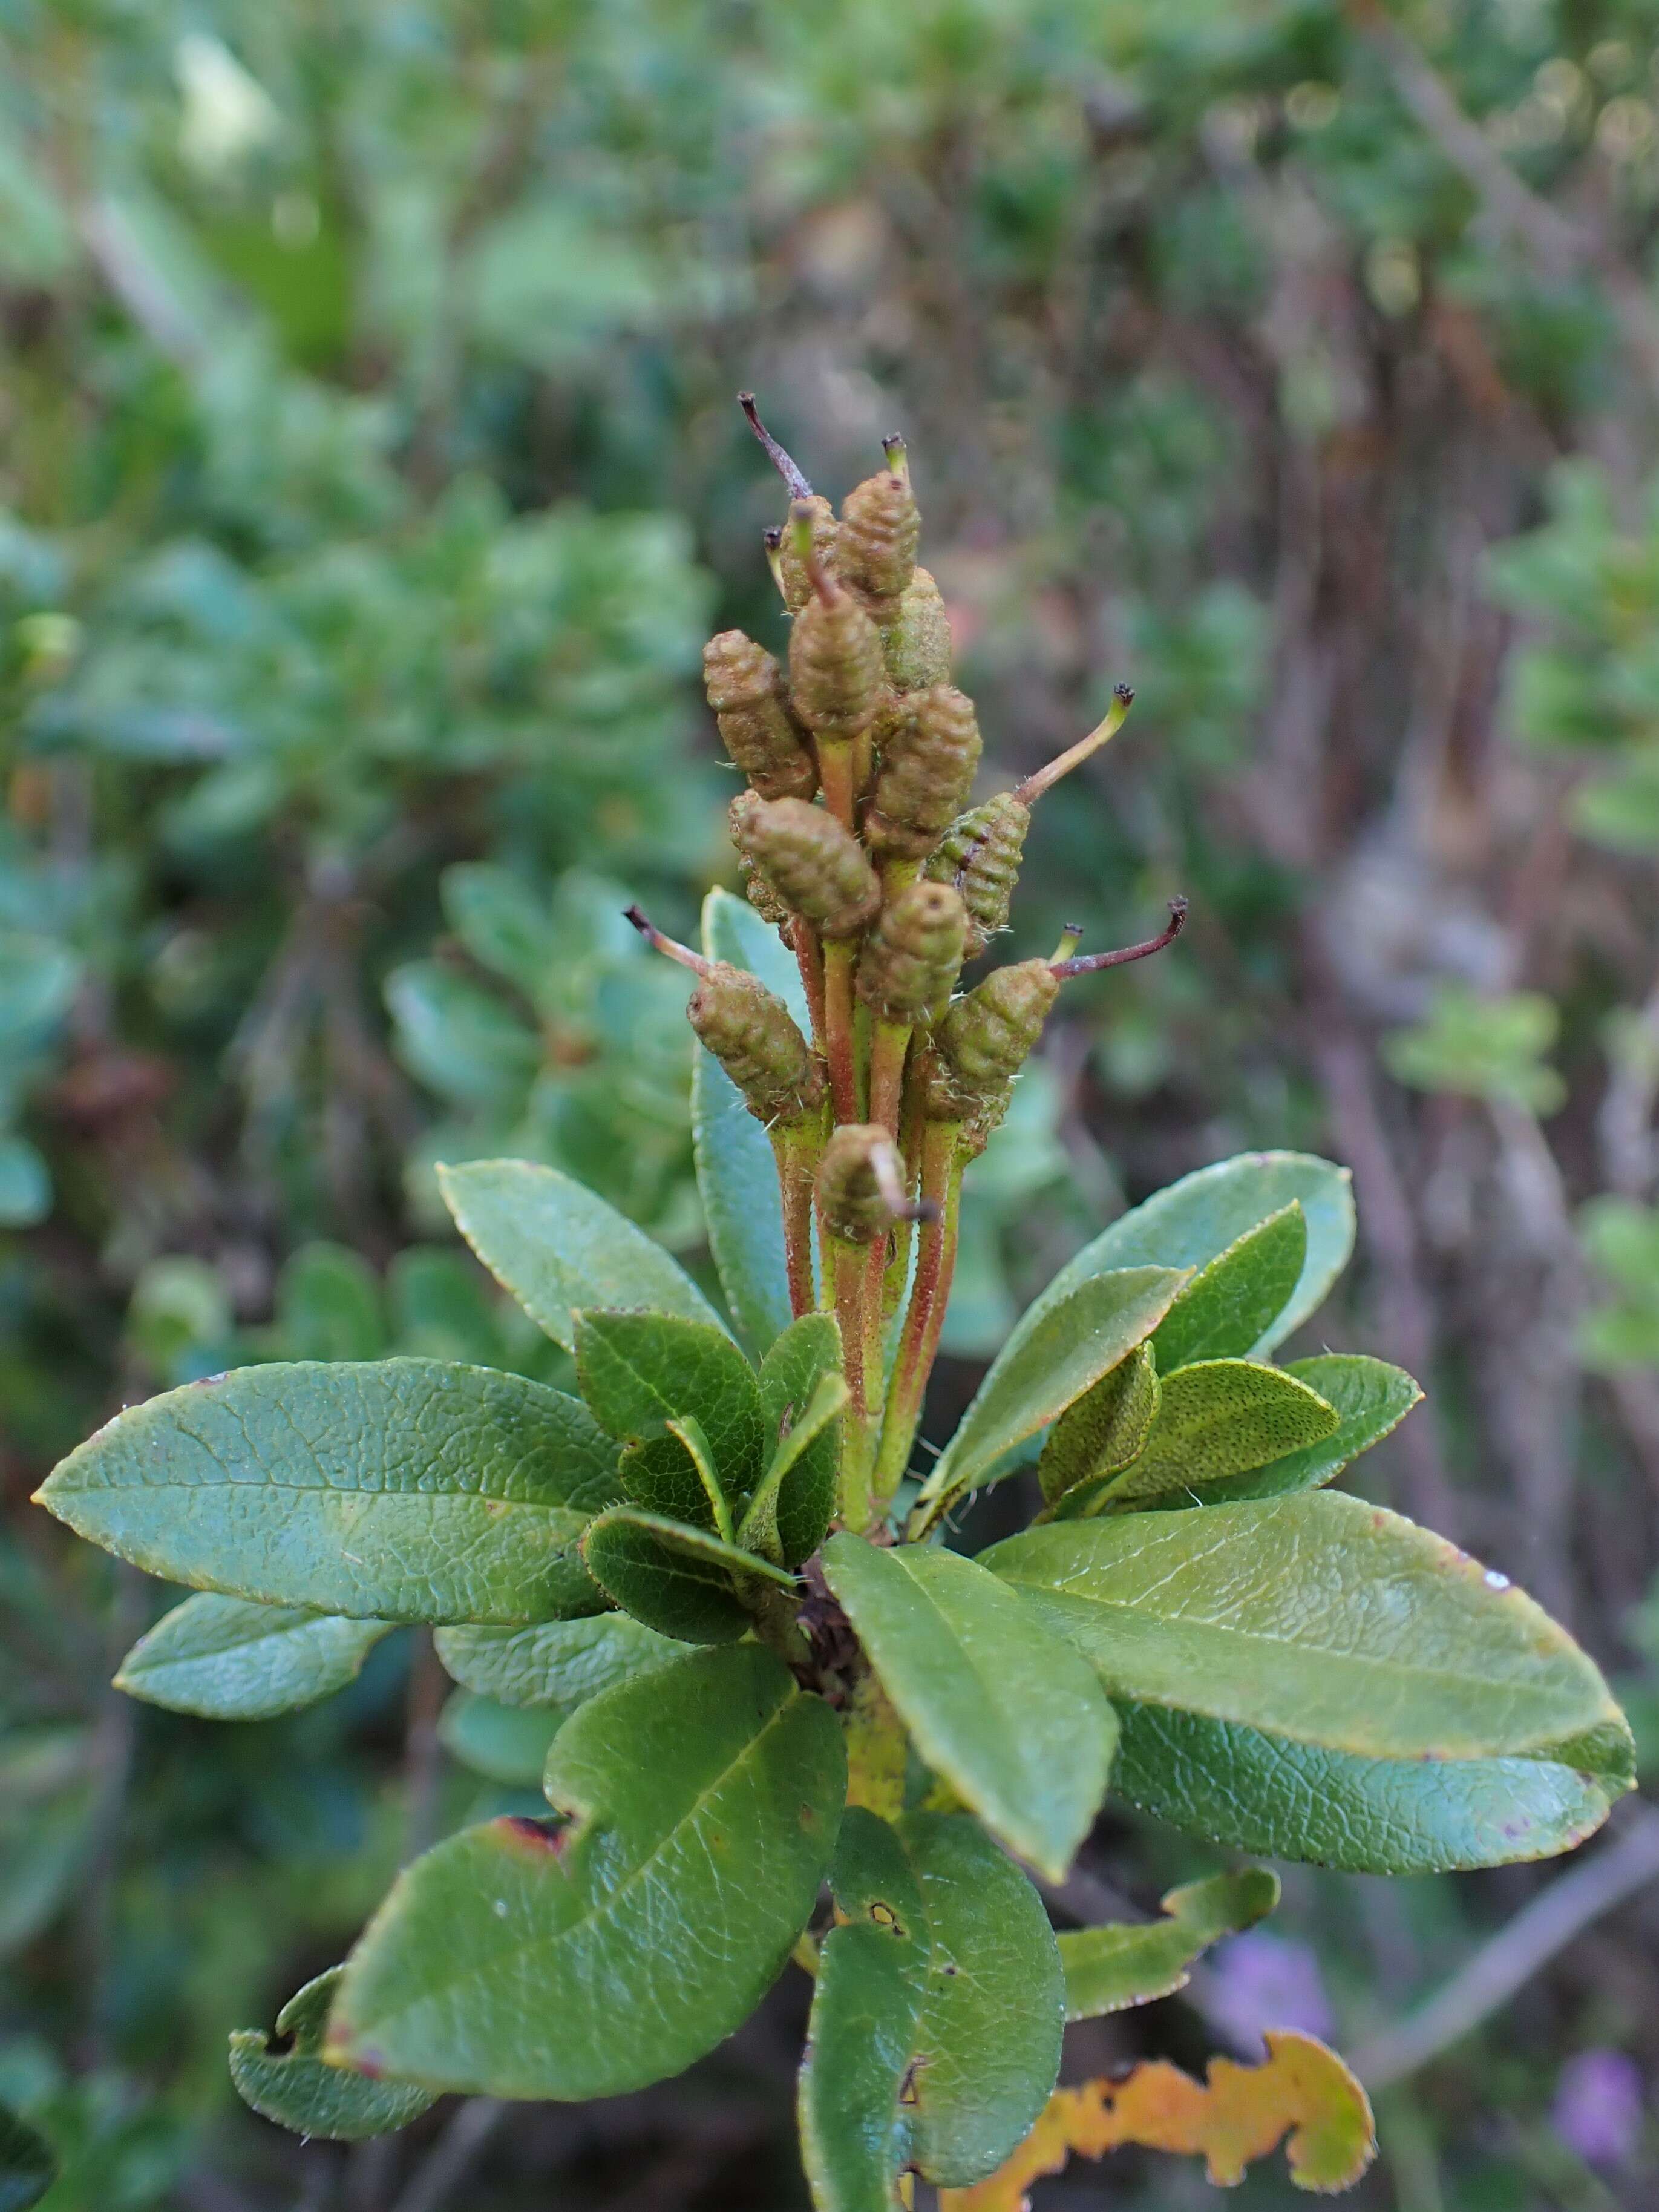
(555, 1663)
(861, 2036)
(1371, 1398)
(1315, 1617)
(230, 1661)
(392, 1490)
(1098, 1436)
(681, 1582)
(1014, 1720)
(641, 1372)
(286, 2078)
(1256, 1792)
(1217, 1419)
(1129, 1963)
(581, 1958)
(791, 1374)
(1230, 1305)
(556, 1246)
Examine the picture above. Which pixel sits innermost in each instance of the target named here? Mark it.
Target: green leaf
(1370, 1398)
(1317, 1617)
(505, 1743)
(1230, 1305)
(1014, 1722)
(807, 1351)
(665, 1475)
(861, 2039)
(556, 1246)
(1194, 1221)
(556, 1662)
(28, 2166)
(25, 1183)
(681, 1582)
(286, 2078)
(638, 1371)
(816, 1428)
(736, 1173)
(1109, 1969)
(1053, 1357)
(327, 1305)
(1257, 1792)
(1217, 1419)
(1098, 1436)
(402, 1490)
(518, 1960)
(230, 1661)
(993, 2009)
(464, 1040)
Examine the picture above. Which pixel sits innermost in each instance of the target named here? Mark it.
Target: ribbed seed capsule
(860, 1191)
(927, 764)
(792, 570)
(980, 853)
(837, 679)
(880, 531)
(746, 690)
(915, 636)
(754, 1036)
(985, 1038)
(911, 958)
(818, 868)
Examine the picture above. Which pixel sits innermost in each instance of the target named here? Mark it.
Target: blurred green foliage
(369, 480)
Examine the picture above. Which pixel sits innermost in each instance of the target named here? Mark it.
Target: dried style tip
(980, 853)
(898, 455)
(660, 941)
(818, 868)
(861, 1185)
(911, 958)
(773, 540)
(1065, 964)
(838, 679)
(1029, 792)
(880, 530)
(786, 468)
(746, 690)
(915, 636)
(928, 765)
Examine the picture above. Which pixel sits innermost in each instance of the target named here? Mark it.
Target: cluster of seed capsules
(856, 838)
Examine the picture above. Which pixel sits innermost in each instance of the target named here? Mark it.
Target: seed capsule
(837, 679)
(911, 957)
(980, 853)
(818, 868)
(861, 1190)
(754, 1036)
(792, 570)
(927, 764)
(916, 637)
(746, 690)
(985, 1039)
(880, 530)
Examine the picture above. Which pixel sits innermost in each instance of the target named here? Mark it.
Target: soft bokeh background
(369, 476)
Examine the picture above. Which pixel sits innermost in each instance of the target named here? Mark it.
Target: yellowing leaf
(1238, 2115)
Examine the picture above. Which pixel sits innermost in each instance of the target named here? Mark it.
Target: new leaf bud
(837, 679)
(746, 690)
(915, 636)
(754, 1036)
(861, 1189)
(980, 853)
(818, 868)
(880, 530)
(927, 764)
(912, 957)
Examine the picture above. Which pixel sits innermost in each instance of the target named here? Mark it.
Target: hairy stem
(847, 1265)
(795, 1150)
(809, 957)
(941, 1183)
(838, 770)
(889, 1043)
(840, 1046)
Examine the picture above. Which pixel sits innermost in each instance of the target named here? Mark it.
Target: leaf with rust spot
(1302, 2091)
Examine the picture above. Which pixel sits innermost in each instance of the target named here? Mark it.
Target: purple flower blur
(1598, 2110)
(1261, 1980)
